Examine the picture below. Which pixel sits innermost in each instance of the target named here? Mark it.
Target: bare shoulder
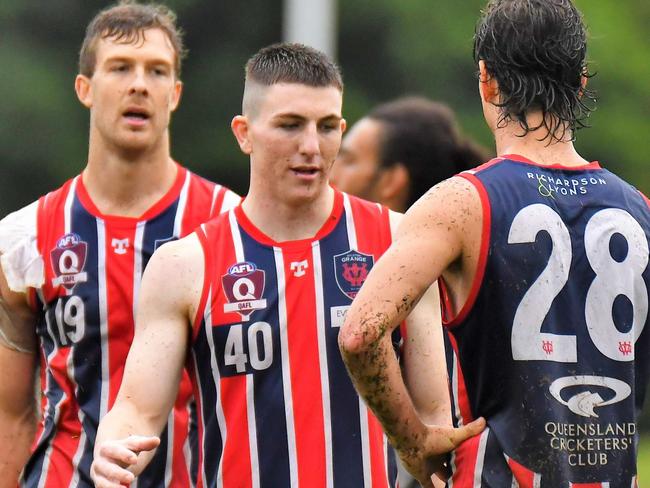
(452, 206)
(175, 271)
(180, 252)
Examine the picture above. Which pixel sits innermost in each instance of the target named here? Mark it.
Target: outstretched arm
(168, 296)
(17, 383)
(431, 238)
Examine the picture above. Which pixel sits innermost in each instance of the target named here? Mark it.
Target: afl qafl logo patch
(243, 286)
(68, 261)
(351, 270)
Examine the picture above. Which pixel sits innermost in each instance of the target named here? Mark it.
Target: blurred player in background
(400, 149)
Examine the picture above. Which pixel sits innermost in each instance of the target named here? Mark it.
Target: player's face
(132, 92)
(294, 138)
(356, 170)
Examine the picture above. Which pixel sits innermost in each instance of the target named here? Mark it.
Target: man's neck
(128, 186)
(536, 145)
(284, 220)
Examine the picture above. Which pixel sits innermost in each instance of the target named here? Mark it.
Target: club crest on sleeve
(68, 261)
(351, 269)
(243, 286)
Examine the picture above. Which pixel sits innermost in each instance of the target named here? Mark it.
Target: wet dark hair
(293, 63)
(423, 135)
(126, 22)
(536, 51)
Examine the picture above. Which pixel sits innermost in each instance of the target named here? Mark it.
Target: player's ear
(84, 90)
(393, 182)
(584, 78)
(240, 128)
(176, 95)
(344, 126)
(488, 85)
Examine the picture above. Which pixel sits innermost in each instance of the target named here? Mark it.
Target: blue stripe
(270, 415)
(347, 457)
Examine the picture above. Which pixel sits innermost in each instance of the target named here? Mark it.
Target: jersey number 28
(613, 278)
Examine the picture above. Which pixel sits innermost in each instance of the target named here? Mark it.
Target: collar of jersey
(153, 211)
(522, 159)
(262, 238)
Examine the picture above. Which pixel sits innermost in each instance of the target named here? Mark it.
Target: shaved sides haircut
(286, 63)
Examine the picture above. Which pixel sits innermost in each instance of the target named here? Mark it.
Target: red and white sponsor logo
(243, 286)
(68, 261)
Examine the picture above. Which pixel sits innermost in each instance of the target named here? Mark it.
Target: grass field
(643, 462)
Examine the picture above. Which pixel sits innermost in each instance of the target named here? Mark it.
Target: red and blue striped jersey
(561, 299)
(276, 406)
(93, 266)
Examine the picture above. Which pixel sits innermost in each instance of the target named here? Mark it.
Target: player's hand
(113, 458)
(428, 459)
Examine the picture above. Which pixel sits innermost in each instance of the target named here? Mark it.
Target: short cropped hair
(423, 135)
(286, 63)
(293, 63)
(126, 22)
(536, 51)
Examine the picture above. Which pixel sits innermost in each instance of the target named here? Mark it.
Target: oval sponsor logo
(69, 240)
(586, 401)
(242, 269)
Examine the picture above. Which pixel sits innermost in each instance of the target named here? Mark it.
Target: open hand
(110, 468)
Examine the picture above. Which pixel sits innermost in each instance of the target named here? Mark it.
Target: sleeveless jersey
(552, 345)
(276, 406)
(93, 266)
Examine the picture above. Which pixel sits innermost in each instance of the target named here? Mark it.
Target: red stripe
(217, 204)
(465, 457)
(199, 202)
(306, 388)
(463, 398)
(377, 453)
(482, 259)
(65, 444)
(524, 476)
(236, 454)
(179, 474)
(119, 300)
(585, 485)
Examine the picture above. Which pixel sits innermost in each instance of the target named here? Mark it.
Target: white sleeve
(21, 262)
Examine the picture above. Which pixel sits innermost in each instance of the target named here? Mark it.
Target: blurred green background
(386, 48)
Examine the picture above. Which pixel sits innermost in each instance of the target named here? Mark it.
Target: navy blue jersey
(552, 344)
(276, 406)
